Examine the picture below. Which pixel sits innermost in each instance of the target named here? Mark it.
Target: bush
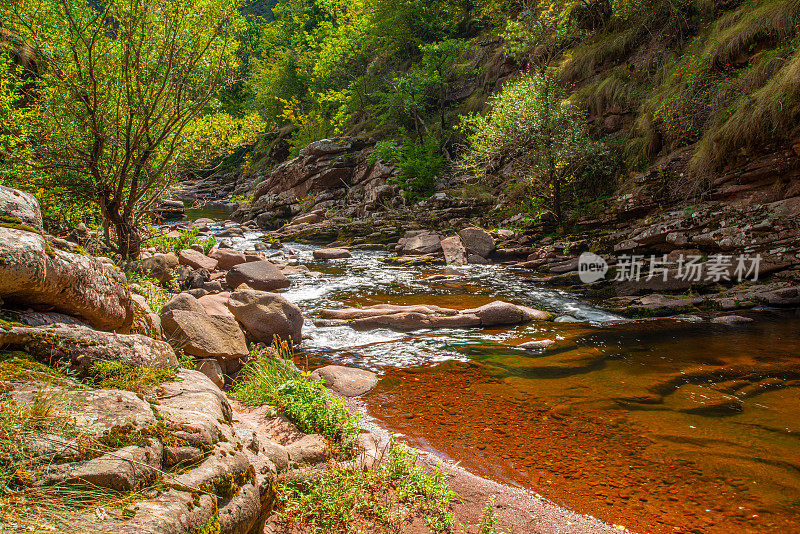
(307, 403)
(544, 137)
(419, 163)
(347, 499)
(184, 239)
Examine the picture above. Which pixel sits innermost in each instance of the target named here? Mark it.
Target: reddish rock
(477, 241)
(331, 253)
(454, 251)
(196, 260)
(228, 258)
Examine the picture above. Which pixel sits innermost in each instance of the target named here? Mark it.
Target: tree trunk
(128, 239)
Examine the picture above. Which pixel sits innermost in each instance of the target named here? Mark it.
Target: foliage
(15, 151)
(327, 65)
(348, 499)
(164, 243)
(113, 374)
(544, 136)
(154, 293)
(125, 98)
(274, 380)
(419, 164)
(488, 523)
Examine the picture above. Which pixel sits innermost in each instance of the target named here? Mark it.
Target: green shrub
(419, 163)
(164, 243)
(544, 137)
(347, 499)
(307, 403)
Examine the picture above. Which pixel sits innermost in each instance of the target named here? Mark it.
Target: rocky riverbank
(135, 408)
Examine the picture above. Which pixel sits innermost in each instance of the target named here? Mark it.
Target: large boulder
(426, 243)
(196, 260)
(499, 313)
(454, 252)
(418, 317)
(34, 273)
(261, 275)
(80, 346)
(346, 381)
(205, 336)
(227, 258)
(264, 315)
(216, 304)
(182, 301)
(477, 241)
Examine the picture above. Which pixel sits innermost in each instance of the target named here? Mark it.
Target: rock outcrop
(80, 346)
(35, 273)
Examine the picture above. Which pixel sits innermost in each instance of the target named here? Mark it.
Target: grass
(46, 508)
(350, 500)
(122, 375)
(153, 292)
(274, 380)
(488, 523)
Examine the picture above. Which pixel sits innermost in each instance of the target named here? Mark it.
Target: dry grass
(771, 113)
(736, 34)
(23, 428)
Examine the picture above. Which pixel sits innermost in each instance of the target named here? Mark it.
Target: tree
(532, 125)
(126, 97)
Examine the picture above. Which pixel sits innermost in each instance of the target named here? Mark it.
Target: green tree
(532, 125)
(126, 97)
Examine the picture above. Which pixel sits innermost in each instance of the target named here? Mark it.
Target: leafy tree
(14, 148)
(126, 99)
(532, 125)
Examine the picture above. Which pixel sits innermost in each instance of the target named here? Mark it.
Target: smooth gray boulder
(260, 275)
(347, 381)
(265, 315)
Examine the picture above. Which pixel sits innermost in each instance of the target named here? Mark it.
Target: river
(666, 425)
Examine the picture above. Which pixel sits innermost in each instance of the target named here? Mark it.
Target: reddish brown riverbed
(592, 462)
(662, 426)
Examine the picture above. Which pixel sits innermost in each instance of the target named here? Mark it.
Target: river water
(668, 425)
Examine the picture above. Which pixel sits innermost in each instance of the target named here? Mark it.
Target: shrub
(307, 403)
(419, 162)
(542, 135)
(347, 499)
(164, 243)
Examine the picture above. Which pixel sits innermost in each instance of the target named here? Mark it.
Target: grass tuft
(271, 378)
(350, 500)
(123, 375)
